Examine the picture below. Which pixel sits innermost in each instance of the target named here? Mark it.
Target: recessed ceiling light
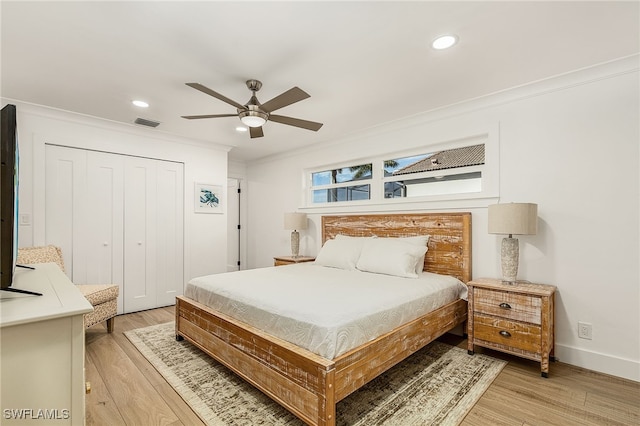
(141, 104)
(241, 129)
(444, 41)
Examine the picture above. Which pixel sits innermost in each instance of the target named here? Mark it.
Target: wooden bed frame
(309, 385)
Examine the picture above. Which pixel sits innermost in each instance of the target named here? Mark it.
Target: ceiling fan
(254, 114)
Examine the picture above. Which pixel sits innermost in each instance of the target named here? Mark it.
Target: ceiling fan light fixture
(253, 118)
(253, 114)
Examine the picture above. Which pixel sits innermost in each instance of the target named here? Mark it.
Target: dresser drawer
(514, 334)
(515, 306)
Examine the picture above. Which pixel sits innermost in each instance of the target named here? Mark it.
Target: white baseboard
(603, 363)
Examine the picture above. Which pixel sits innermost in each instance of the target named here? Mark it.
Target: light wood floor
(127, 390)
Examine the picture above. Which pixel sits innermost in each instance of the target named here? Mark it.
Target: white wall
(569, 144)
(205, 236)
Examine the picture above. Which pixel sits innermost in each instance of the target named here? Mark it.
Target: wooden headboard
(449, 242)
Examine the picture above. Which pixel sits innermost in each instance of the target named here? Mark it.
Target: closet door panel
(119, 220)
(139, 234)
(170, 234)
(105, 234)
(65, 206)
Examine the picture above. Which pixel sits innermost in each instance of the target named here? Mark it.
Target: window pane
(353, 173)
(347, 193)
(391, 166)
(395, 190)
(451, 184)
(345, 174)
(449, 159)
(321, 178)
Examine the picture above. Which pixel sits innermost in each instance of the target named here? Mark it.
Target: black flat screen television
(9, 161)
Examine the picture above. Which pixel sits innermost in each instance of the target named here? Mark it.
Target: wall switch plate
(584, 330)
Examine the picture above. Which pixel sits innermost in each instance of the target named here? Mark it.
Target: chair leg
(110, 324)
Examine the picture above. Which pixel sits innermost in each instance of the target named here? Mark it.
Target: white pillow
(391, 256)
(418, 240)
(340, 253)
(422, 241)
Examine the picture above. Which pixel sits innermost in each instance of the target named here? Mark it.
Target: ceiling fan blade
(289, 97)
(216, 95)
(194, 117)
(256, 132)
(305, 124)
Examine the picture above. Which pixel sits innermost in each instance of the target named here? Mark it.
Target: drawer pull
(505, 306)
(505, 333)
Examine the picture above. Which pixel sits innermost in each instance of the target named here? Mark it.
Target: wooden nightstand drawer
(510, 334)
(519, 307)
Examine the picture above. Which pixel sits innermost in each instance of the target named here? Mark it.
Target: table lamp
(295, 221)
(512, 219)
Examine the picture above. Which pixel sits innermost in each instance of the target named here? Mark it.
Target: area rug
(437, 385)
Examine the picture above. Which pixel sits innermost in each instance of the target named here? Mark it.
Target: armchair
(103, 297)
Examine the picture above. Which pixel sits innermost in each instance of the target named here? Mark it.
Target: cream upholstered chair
(103, 297)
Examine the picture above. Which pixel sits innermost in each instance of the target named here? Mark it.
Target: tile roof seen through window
(449, 159)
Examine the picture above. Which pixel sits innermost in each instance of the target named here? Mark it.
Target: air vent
(145, 122)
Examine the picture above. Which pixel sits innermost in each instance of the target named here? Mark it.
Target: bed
(310, 385)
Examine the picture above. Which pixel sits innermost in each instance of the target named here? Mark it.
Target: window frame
(359, 182)
(489, 178)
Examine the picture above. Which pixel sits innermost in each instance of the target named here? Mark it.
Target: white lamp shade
(513, 218)
(295, 221)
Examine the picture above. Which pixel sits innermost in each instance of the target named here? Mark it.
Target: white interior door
(233, 224)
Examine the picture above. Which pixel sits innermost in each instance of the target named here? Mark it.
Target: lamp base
(509, 254)
(295, 243)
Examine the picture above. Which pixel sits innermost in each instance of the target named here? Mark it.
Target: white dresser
(42, 350)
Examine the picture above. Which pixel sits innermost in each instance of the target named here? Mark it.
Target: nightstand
(288, 260)
(512, 318)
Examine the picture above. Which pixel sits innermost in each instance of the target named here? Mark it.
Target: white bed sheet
(326, 310)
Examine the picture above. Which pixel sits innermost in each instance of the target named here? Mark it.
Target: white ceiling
(363, 63)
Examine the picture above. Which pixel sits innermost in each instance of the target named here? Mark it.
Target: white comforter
(328, 311)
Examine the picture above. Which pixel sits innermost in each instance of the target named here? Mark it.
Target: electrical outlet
(584, 330)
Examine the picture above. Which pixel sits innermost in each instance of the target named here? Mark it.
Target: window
(341, 184)
(464, 169)
(452, 171)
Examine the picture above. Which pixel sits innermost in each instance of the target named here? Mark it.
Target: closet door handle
(505, 306)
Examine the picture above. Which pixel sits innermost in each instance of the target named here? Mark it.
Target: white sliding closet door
(65, 203)
(140, 223)
(104, 256)
(119, 220)
(170, 232)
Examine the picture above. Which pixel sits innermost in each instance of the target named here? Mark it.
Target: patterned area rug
(437, 385)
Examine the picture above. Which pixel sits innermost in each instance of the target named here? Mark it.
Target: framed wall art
(208, 198)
